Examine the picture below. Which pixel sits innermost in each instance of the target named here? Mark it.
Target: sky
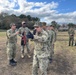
(61, 11)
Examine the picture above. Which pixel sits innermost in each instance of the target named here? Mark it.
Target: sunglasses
(24, 23)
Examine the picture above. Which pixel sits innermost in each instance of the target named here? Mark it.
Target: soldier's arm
(54, 38)
(9, 35)
(20, 32)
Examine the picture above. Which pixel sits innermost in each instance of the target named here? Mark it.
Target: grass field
(64, 59)
(2, 34)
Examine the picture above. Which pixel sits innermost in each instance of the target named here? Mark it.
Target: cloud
(45, 11)
(62, 18)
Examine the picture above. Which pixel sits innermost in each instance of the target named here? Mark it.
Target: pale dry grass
(64, 60)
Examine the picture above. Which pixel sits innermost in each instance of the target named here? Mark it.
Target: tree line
(6, 19)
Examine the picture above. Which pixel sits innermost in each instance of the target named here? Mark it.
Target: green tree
(29, 17)
(6, 19)
(55, 24)
(22, 16)
(71, 25)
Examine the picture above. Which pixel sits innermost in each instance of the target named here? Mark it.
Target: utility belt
(10, 42)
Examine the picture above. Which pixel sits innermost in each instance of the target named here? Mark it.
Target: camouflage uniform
(54, 35)
(41, 53)
(49, 42)
(52, 41)
(11, 44)
(71, 33)
(26, 30)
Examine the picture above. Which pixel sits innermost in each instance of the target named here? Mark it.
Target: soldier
(27, 31)
(41, 53)
(11, 44)
(71, 33)
(52, 41)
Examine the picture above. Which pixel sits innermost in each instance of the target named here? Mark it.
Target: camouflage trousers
(51, 51)
(71, 41)
(11, 50)
(27, 48)
(41, 63)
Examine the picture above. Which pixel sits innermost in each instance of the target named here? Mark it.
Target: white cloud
(45, 11)
(62, 18)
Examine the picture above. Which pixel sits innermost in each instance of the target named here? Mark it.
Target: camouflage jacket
(41, 44)
(11, 36)
(71, 31)
(53, 37)
(21, 30)
(49, 37)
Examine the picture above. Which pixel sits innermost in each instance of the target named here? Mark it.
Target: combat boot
(22, 56)
(12, 63)
(28, 56)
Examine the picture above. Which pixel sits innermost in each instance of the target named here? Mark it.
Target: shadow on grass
(61, 65)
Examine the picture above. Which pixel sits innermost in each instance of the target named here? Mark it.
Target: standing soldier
(27, 31)
(71, 33)
(41, 53)
(11, 44)
(46, 28)
(52, 41)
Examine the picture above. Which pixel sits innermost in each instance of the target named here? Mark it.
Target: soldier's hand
(17, 32)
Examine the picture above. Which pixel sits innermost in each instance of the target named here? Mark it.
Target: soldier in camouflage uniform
(26, 30)
(71, 33)
(47, 29)
(11, 44)
(52, 40)
(41, 53)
